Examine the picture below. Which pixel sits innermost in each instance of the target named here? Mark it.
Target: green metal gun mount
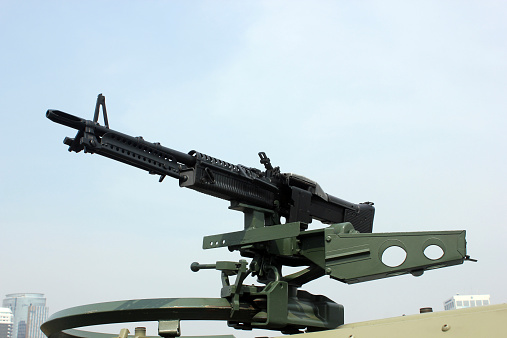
(346, 249)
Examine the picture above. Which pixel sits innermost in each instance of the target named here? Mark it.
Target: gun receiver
(291, 196)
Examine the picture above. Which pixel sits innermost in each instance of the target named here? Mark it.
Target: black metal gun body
(293, 197)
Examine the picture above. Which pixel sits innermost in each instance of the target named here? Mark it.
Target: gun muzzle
(66, 119)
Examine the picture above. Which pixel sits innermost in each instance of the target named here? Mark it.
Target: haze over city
(399, 103)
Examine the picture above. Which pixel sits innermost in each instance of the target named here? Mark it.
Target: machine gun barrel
(94, 138)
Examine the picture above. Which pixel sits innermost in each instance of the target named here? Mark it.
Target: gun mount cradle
(346, 250)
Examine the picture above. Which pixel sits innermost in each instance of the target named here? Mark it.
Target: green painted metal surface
(144, 310)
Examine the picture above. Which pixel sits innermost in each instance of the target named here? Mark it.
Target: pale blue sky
(401, 103)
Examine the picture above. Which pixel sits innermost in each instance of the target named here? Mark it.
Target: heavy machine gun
(346, 250)
(293, 197)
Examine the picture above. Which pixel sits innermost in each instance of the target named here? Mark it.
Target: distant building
(36, 316)
(29, 311)
(464, 301)
(6, 320)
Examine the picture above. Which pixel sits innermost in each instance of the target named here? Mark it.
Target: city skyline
(29, 311)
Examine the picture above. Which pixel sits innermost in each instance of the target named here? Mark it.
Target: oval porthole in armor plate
(433, 252)
(394, 256)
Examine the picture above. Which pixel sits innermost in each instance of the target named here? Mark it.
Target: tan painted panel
(483, 321)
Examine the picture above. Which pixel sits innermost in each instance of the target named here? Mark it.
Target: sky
(400, 103)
